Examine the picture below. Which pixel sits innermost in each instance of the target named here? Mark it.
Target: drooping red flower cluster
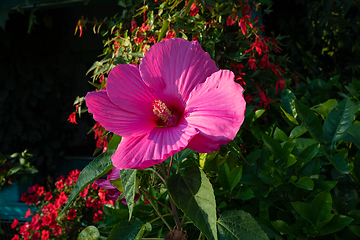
(44, 223)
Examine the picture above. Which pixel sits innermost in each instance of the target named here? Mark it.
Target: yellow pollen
(161, 110)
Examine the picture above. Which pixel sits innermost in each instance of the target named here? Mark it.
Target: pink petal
(173, 67)
(152, 148)
(105, 184)
(115, 119)
(216, 109)
(127, 90)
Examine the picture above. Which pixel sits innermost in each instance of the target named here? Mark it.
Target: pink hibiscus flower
(175, 98)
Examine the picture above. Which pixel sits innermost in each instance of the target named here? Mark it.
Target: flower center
(163, 112)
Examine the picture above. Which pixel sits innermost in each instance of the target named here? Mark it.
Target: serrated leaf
(128, 180)
(89, 233)
(239, 225)
(94, 170)
(310, 121)
(194, 195)
(339, 121)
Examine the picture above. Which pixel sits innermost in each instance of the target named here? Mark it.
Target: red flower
(89, 202)
(28, 213)
(72, 214)
(264, 102)
(248, 98)
(264, 62)
(15, 223)
(59, 185)
(274, 69)
(280, 84)
(35, 236)
(40, 191)
(243, 22)
(57, 230)
(48, 196)
(133, 25)
(68, 181)
(194, 9)
(231, 20)
(16, 237)
(33, 189)
(84, 192)
(72, 118)
(44, 234)
(97, 216)
(171, 33)
(96, 204)
(252, 63)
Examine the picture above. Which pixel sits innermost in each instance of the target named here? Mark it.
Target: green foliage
(290, 173)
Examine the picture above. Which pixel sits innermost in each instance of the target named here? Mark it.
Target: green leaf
(128, 180)
(339, 121)
(353, 135)
(282, 227)
(89, 233)
(280, 135)
(245, 193)
(303, 209)
(298, 131)
(114, 142)
(290, 117)
(325, 108)
(309, 153)
(288, 102)
(321, 208)
(179, 156)
(273, 146)
(94, 170)
(133, 230)
(305, 182)
(310, 121)
(339, 161)
(239, 225)
(192, 192)
(229, 179)
(163, 30)
(337, 223)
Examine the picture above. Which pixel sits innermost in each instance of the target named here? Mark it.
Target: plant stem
(173, 207)
(168, 214)
(162, 179)
(150, 196)
(157, 211)
(170, 165)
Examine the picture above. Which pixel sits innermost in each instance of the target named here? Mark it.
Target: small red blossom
(45, 234)
(275, 69)
(35, 236)
(48, 196)
(133, 25)
(231, 20)
(97, 216)
(243, 22)
(280, 84)
(28, 213)
(57, 230)
(264, 62)
(72, 118)
(248, 98)
(15, 223)
(16, 237)
(171, 34)
(252, 63)
(40, 191)
(59, 185)
(194, 9)
(264, 102)
(72, 214)
(84, 192)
